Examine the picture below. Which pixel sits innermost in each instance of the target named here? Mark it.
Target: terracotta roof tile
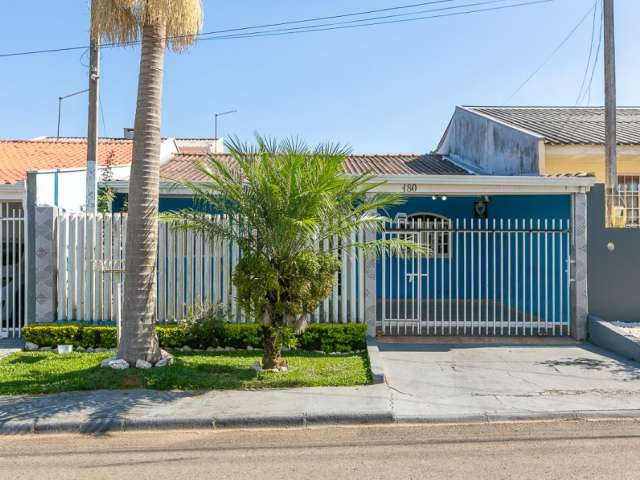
(182, 166)
(17, 157)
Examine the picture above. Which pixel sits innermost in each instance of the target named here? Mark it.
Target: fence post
(579, 241)
(43, 264)
(370, 296)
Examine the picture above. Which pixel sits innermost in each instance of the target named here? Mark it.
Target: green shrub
(171, 336)
(242, 335)
(331, 337)
(210, 333)
(204, 326)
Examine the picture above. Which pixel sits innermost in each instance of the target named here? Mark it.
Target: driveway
(506, 380)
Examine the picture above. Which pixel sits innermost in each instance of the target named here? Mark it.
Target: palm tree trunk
(272, 344)
(139, 339)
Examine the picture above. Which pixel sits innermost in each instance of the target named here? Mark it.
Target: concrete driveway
(478, 380)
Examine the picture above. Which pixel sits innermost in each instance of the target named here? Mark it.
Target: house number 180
(409, 187)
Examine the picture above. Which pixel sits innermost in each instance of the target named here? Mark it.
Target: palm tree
(157, 24)
(281, 201)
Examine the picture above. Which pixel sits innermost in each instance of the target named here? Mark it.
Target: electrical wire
(340, 26)
(587, 91)
(551, 55)
(215, 35)
(591, 42)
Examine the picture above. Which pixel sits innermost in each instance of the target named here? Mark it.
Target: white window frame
(446, 235)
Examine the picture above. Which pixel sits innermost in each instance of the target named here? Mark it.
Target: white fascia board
(443, 185)
(15, 191)
(483, 184)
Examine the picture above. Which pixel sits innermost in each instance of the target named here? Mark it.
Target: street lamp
(60, 105)
(215, 125)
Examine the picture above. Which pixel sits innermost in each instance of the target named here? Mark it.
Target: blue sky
(390, 88)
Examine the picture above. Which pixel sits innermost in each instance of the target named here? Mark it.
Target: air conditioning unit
(618, 217)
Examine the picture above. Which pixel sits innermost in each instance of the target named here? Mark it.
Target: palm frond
(121, 21)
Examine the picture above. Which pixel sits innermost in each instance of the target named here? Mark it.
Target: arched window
(432, 229)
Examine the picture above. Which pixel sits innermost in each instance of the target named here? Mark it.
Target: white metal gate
(13, 273)
(481, 277)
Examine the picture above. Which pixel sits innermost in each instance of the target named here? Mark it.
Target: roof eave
(443, 184)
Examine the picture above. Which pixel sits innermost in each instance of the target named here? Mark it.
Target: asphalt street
(596, 449)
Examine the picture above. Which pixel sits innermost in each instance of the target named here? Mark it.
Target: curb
(118, 424)
(522, 417)
(610, 337)
(375, 361)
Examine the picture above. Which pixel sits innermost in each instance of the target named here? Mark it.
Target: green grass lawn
(48, 372)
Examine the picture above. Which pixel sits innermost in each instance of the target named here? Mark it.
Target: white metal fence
(482, 277)
(13, 273)
(190, 269)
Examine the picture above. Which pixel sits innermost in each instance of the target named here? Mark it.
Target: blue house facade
(503, 250)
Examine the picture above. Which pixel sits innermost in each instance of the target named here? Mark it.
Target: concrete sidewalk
(108, 410)
(425, 382)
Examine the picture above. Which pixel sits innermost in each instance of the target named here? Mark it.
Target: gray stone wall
(614, 275)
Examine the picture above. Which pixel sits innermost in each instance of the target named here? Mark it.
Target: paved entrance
(487, 379)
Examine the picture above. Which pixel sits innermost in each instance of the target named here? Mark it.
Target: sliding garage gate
(499, 277)
(12, 272)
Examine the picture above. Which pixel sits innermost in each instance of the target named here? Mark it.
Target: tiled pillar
(580, 287)
(44, 264)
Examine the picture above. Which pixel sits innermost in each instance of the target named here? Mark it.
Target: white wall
(70, 193)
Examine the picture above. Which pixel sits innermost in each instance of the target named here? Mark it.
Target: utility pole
(610, 109)
(92, 127)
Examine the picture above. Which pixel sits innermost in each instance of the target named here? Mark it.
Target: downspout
(55, 187)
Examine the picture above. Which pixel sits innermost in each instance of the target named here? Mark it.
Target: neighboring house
(565, 141)
(540, 140)
(50, 171)
(507, 251)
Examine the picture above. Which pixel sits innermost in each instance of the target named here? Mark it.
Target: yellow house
(541, 140)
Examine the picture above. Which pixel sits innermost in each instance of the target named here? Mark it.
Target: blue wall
(503, 206)
(166, 203)
(553, 296)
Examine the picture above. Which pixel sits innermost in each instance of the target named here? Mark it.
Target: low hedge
(328, 337)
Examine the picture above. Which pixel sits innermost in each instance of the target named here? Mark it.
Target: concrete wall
(614, 277)
(66, 189)
(488, 146)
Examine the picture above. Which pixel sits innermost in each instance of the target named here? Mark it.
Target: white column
(370, 294)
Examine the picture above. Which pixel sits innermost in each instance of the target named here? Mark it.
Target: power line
(551, 55)
(237, 29)
(340, 25)
(309, 28)
(587, 91)
(591, 42)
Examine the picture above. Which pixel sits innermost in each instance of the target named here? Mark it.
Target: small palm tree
(281, 201)
(157, 24)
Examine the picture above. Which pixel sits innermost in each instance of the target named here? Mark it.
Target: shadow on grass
(17, 360)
